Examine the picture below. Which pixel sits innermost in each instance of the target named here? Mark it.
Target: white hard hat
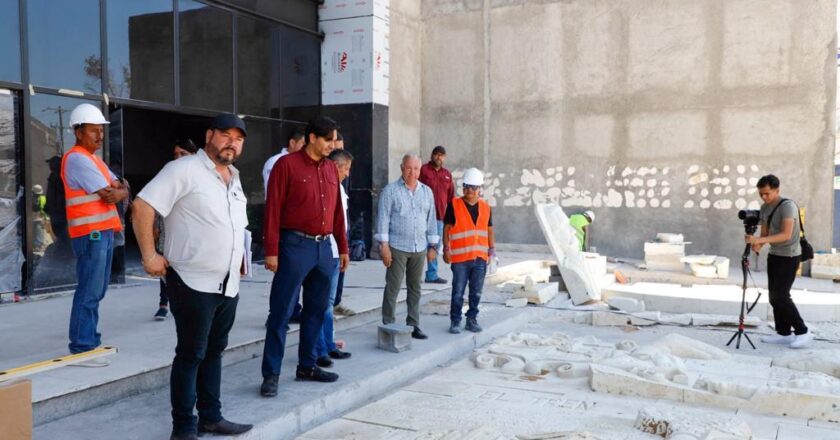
(86, 114)
(472, 176)
(591, 215)
(37, 189)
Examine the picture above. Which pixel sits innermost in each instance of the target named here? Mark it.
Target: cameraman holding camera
(780, 228)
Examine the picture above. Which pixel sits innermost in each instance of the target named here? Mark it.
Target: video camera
(751, 219)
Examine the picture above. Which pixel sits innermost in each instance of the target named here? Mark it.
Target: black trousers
(781, 271)
(202, 321)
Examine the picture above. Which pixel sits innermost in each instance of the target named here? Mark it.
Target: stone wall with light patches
(659, 116)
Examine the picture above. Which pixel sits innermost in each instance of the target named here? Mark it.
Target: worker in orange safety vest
(468, 245)
(91, 192)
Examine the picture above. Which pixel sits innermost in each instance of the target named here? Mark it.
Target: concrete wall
(658, 115)
(405, 92)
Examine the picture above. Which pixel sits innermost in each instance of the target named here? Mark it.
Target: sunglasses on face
(472, 187)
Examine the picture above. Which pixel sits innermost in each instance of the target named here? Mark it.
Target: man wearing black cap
(201, 200)
(439, 179)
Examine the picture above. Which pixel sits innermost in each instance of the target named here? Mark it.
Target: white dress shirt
(205, 222)
(344, 200)
(269, 164)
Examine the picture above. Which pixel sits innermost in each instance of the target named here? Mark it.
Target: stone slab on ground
(460, 398)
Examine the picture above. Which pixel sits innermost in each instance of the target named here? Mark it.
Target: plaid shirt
(406, 220)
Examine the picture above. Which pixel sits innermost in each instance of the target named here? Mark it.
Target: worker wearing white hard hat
(469, 246)
(91, 192)
(581, 223)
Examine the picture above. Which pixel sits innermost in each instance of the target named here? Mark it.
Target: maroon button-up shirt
(303, 196)
(443, 188)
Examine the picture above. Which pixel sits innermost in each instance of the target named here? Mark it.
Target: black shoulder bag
(807, 249)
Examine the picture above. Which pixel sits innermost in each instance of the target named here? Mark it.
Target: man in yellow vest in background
(581, 224)
(468, 245)
(91, 192)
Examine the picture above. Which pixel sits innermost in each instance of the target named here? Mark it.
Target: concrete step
(68, 401)
(300, 406)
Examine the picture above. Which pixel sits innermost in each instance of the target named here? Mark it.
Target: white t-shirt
(344, 200)
(205, 222)
(269, 164)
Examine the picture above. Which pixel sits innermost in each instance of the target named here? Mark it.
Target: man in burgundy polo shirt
(301, 211)
(439, 179)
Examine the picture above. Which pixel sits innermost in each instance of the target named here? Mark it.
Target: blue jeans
(432, 266)
(462, 273)
(202, 323)
(326, 340)
(310, 264)
(93, 271)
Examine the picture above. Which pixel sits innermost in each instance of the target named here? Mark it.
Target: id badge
(95, 235)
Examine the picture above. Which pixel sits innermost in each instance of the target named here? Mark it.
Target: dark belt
(311, 237)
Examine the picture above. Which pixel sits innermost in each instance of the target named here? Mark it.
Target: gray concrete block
(394, 337)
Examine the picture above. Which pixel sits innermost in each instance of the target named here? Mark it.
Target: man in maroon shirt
(435, 176)
(301, 211)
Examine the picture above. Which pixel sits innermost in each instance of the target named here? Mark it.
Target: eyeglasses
(472, 187)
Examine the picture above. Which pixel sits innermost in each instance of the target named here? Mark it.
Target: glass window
(206, 69)
(11, 255)
(301, 80)
(258, 67)
(49, 137)
(9, 41)
(141, 60)
(64, 49)
(303, 13)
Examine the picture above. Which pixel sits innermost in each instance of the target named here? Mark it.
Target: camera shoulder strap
(770, 217)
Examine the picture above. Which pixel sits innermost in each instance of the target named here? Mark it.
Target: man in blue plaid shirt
(406, 229)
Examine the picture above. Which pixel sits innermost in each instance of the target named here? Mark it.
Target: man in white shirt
(203, 205)
(296, 141)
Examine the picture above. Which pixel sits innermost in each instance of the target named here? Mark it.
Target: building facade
(159, 70)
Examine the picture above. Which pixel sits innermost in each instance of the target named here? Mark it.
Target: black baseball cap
(226, 121)
(438, 150)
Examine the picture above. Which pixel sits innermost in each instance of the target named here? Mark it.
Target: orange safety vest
(88, 212)
(468, 240)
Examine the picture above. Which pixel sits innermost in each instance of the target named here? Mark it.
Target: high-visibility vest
(468, 240)
(88, 212)
(579, 221)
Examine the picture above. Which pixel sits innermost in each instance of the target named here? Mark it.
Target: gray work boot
(455, 328)
(472, 325)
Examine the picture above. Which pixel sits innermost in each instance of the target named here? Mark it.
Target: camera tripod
(745, 269)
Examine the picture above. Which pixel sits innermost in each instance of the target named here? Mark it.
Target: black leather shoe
(269, 386)
(338, 354)
(324, 362)
(183, 437)
(437, 280)
(418, 334)
(315, 374)
(224, 427)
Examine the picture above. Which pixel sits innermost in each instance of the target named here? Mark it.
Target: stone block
(680, 319)
(394, 337)
(540, 293)
(631, 305)
(609, 318)
(516, 302)
(654, 248)
(645, 318)
(581, 283)
(826, 266)
(596, 263)
(583, 318)
(664, 262)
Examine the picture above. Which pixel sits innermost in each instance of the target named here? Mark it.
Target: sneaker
(342, 310)
(472, 326)
(778, 339)
(438, 280)
(455, 328)
(269, 386)
(160, 315)
(93, 363)
(803, 340)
